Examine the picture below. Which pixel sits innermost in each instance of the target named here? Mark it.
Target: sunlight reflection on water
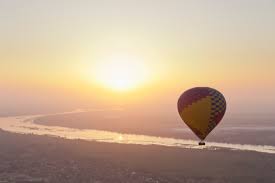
(25, 125)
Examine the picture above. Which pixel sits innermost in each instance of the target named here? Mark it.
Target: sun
(121, 72)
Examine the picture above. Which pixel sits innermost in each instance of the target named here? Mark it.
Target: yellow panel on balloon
(197, 115)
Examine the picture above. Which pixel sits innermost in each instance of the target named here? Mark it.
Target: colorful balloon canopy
(202, 109)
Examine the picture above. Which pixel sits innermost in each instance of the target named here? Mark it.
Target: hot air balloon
(202, 109)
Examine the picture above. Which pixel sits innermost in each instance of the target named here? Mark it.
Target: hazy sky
(49, 52)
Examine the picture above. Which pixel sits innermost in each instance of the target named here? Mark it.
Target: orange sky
(50, 53)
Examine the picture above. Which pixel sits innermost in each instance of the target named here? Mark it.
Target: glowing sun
(121, 72)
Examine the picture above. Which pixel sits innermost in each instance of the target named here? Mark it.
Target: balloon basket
(201, 143)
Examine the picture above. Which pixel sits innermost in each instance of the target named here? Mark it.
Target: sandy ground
(29, 158)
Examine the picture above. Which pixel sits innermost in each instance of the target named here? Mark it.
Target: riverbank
(51, 159)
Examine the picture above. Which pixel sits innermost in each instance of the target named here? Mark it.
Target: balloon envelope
(202, 109)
